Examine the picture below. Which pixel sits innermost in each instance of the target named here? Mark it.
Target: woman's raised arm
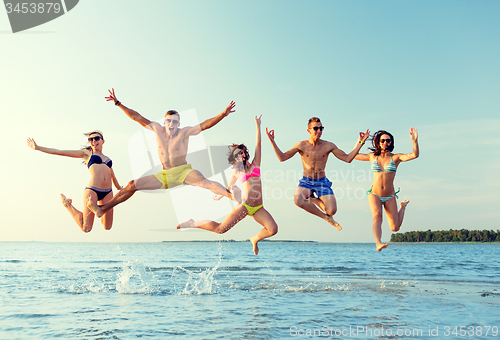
(258, 148)
(416, 151)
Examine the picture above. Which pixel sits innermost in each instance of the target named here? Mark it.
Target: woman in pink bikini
(101, 180)
(251, 205)
(382, 192)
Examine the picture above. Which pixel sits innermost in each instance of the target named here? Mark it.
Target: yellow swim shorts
(175, 176)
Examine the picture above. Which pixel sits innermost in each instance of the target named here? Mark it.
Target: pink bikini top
(255, 173)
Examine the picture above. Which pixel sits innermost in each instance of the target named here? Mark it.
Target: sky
(357, 65)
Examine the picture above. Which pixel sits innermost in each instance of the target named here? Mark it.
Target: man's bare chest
(315, 154)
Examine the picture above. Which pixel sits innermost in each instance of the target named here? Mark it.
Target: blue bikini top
(391, 167)
(96, 159)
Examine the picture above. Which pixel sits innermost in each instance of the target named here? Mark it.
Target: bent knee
(299, 201)
(130, 186)
(393, 227)
(331, 211)
(87, 228)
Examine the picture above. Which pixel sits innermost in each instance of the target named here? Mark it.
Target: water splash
(134, 279)
(199, 283)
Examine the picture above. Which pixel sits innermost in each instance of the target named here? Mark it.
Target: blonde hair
(313, 120)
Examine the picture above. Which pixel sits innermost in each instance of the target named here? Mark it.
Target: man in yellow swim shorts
(174, 177)
(172, 142)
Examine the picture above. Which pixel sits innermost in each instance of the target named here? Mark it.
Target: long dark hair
(377, 150)
(233, 155)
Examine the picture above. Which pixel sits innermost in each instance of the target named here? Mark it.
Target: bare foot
(381, 246)
(66, 201)
(185, 225)
(404, 203)
(94, 208)
(255, 246)
(330, 220)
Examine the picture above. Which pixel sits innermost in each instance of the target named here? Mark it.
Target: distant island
(266, 240)
(451, 235)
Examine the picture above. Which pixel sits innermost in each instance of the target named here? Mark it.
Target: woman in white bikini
(100, 185)
(382, 192)
(251, 205)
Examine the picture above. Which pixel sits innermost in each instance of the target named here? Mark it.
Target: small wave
(98, 261)
(240, 269)
(313, 288)
(85, 311)
(28, 316)
(84, 288)
(159, 269)
(334, 269)
(262, 286)
(308, 288)
(492, 294)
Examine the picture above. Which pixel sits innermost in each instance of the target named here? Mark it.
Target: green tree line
(463, 235)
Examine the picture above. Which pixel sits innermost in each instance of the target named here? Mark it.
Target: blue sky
(355, 64)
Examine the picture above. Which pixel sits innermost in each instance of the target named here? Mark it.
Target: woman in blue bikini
(249, 175)
(100, 185)
(382, 192)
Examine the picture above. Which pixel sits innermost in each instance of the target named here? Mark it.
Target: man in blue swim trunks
(314, 153)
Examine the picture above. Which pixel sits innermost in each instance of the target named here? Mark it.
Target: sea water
(220, 290)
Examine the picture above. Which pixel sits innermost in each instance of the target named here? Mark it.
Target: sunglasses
(388, 141)
(96, 138)
(174, 121)
(316, 128)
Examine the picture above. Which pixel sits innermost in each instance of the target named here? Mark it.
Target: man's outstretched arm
(213, 121)
(134, 115)
(282, 156)
(349, 157)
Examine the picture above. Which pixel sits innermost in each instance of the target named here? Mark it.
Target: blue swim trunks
(321, 186)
